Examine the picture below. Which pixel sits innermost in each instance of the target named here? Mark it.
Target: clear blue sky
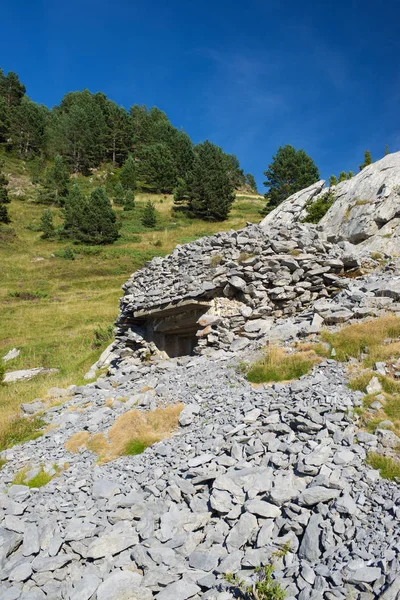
(248, 75)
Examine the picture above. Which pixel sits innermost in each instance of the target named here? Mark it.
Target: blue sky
(249, 76)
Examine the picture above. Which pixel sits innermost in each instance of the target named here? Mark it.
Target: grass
(389, 468)
(131, 434)
(277, 366)
(19, 430)
(2, 463)
(39, 480)
(135, 447)
(55, 306)
(366, 338)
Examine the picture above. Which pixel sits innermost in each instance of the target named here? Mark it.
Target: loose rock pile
(251, 470)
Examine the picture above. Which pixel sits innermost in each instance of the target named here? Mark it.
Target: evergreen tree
(210, 190)
(57, 181)
(289, 172)
(27, 127)
(157, 168)
(78, 130)
(181, 191)
(251, 182)
(367, 160)
(129, 200)
(349, 174)
(118, 132)
(4, 199)
(11, 89)
(4, 120)
(149, 217)
(235, 172)
(46, 224)
(332, 180)
(342, 176)
(73, 212)
(386, 150)
(127, 176)
(94, 221)
(119, 194)
(183, 153)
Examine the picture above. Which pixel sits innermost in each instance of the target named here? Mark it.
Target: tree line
(88, 129)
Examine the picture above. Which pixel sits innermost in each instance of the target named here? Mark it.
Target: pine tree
(46, 224)
(342, 176)
(290, 171)
(367, 160)
(149, 217)
(332, 180)
(128, 174)
(11, 89)
(157, 168)
(210, 189)
(90, 222)
(129, 200)
(57, 180)
(251, 182)
(349, 174)
(386, 150)
(27, 127)
(4, 199)
(119, 195)
(73, 212)
(181, 191)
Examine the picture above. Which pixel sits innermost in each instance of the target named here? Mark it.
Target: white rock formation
(366, 211)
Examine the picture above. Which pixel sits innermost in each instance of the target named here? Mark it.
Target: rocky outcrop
(366, 211)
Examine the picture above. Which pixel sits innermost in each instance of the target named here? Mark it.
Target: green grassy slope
(51, 306)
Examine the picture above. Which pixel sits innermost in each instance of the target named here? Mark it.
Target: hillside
(245, 437)
(60, 312)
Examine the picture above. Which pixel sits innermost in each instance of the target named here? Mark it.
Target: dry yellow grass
(367, 338)
(77, 442)
(139, 427)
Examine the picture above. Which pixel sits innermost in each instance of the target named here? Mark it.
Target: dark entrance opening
(172, 328)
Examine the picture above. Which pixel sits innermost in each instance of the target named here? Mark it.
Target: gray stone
(309, 547)
(122, 585)
(316, 494)
(179, 590)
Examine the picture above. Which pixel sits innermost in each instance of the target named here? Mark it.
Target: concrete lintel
(172, 309)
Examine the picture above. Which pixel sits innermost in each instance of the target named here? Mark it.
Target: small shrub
(265, 588)
(149, 217)
(66, 253)
(389, 468)
(158, 244)
(20, 430)
(317, 209)
(2, 463)
(2, 372)
(277, 366)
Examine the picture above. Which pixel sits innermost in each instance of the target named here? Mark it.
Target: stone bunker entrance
(172, 328)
